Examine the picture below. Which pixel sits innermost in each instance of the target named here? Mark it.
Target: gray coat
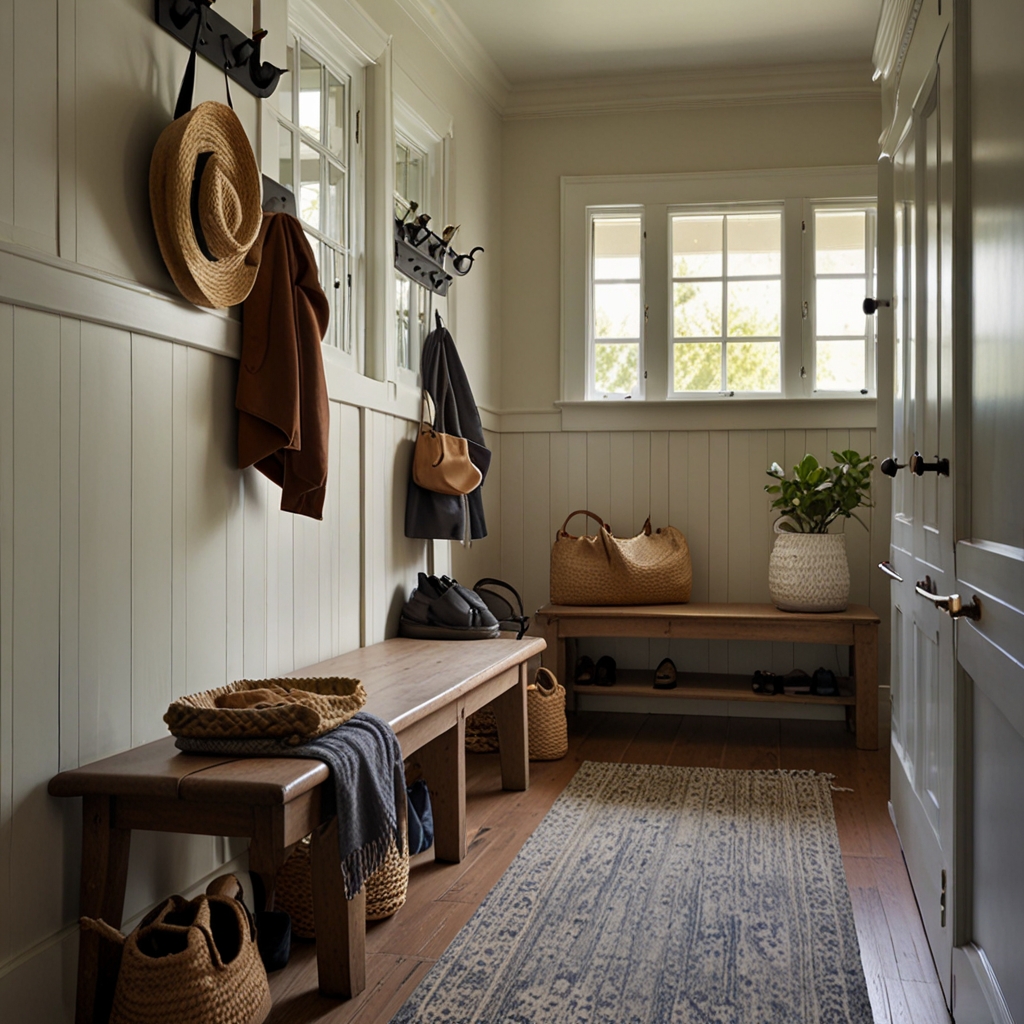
(442, 516)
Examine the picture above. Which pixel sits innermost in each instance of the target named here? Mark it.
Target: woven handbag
(189, 960)
(295, 710)
(650, 568)
(440, 461)
(386, 888)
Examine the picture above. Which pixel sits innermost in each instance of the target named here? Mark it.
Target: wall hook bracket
(220, 43)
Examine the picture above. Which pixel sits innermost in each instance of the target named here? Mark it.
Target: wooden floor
(901, 977)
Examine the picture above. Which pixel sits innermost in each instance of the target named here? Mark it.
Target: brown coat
(283, 413)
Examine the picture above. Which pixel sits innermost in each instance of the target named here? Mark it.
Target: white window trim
(426, 125)
(670, 191)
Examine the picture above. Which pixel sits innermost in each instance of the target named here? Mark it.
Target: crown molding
(448, 32)
(896, 21)
(362, 36)
(682, 90)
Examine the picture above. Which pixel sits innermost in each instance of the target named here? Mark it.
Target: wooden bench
(423, 688)
(856, 628)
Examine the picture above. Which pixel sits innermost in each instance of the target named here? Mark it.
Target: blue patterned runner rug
(662, 895)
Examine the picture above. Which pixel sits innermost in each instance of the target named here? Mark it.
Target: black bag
(421, 818)
(501, 608)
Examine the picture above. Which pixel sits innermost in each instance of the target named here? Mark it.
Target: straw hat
(204, 191)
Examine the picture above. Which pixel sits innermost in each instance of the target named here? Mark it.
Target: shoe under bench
(856, 628)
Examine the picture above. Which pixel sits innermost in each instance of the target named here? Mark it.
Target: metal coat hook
(229, 48)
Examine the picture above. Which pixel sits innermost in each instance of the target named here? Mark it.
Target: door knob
(890, 467)
(951, 604)
(889, 571)
(919, 467)
(871, 305)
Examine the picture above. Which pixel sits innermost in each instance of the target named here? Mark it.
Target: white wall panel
(35, 860)
(6, 617)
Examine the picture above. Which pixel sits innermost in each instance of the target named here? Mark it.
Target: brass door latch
(951, 604)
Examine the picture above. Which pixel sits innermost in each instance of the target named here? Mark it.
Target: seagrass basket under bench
(423, 688)
(856, 628)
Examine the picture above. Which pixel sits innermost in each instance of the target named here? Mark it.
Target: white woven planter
(808, 572)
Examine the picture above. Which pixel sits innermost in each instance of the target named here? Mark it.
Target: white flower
(776, 469)
(796, 501)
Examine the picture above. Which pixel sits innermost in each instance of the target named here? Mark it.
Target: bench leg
(340, 923)
(443, 762)
(104, 873)
(554, 658)
(864, 655)
(513, 743)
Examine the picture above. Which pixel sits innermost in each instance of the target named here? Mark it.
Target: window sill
(716, 412)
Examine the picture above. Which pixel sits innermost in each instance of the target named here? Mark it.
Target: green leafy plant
(818, 495)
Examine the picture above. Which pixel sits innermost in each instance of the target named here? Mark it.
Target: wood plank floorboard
(902, 982)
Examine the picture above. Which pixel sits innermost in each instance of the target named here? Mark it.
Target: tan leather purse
(650, 568)
(441, 461)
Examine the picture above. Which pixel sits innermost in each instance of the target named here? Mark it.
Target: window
(317, 126)
(710, 286)
(616, 304)
(411, 301)
(727, 301)
(844, 272)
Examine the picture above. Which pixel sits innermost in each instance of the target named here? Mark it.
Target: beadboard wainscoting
(710, 485)
(138, 564)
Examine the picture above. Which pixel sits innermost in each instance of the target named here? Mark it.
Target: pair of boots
(442, 609)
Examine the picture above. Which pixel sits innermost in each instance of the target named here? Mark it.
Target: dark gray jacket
(441, 516)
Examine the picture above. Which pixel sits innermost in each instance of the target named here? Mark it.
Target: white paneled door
(922, 551)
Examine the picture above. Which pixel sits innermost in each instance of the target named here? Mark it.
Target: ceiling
(533, 40)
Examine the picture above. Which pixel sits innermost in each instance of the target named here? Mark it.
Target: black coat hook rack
(221, 43)
(420, 254)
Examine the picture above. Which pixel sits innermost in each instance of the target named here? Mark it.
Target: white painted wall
(136, 562)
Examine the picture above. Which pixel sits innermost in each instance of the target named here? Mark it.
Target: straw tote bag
(651, 568)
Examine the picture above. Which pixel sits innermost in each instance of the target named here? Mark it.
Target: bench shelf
(856, 628)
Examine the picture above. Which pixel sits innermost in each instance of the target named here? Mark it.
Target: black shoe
(585, 671)
(823, 683)
(443, 610)
(766, 683)
(605, 670)
(665, 675)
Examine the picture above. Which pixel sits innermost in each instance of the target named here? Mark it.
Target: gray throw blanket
(367, 778)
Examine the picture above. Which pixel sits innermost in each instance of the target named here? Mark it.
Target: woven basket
(809, 572)
(482, 732)
(386, 888)
(545, 712)
(548, 731)
(192, 961)
(309, 708)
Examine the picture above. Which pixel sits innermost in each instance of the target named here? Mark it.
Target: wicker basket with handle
(386, 888)
(548, 731)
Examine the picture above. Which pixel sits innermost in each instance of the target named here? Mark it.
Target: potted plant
(808, 570)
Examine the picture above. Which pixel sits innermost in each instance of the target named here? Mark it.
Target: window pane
(309, 186)
(839, 242)
(336, 140)
(617, 311)
(335, 203)
(283, 92)
(402, 298)
(309, 94)
(697, 309)
(285, 157)
(753, 366)
(617, 250)
(697, 366)
(840, 307)
(755, 244)
(754, 309)
(840, 365)
(696, 246)
(616, 368)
